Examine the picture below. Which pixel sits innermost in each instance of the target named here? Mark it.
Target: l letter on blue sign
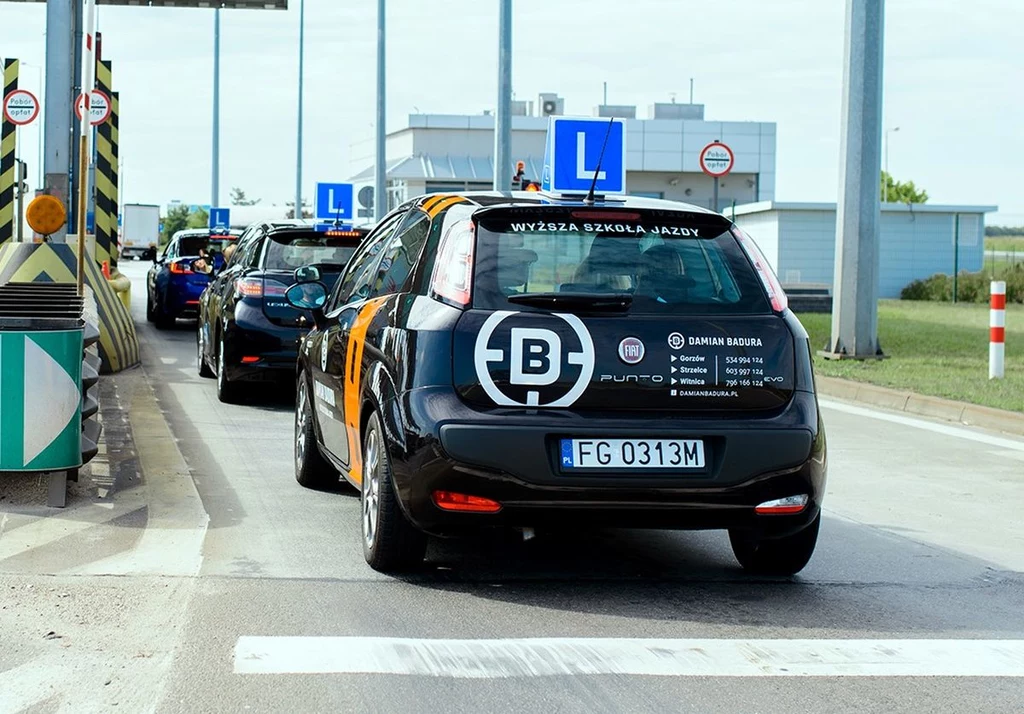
(573, 150)
(333, 201)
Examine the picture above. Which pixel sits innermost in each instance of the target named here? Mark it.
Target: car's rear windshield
(191, 247)
(291, 250)
(667, 263)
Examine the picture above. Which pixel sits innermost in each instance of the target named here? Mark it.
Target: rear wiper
(603, 302)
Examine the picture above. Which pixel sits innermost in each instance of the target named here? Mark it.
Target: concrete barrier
(922, 405)
(57, 263)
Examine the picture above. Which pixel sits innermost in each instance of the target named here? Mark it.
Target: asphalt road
(922, 541)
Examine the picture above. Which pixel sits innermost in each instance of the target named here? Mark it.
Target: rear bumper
(181, 298)
(515, 462)
(252, 335)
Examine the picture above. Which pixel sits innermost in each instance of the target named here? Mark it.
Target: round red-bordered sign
(21, 107)
(99, 107)
(716, 159)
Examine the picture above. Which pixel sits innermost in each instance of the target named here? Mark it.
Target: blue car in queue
(247, 332)
(522, 360)
(173, 284)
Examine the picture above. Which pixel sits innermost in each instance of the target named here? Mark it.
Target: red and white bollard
(997, 330)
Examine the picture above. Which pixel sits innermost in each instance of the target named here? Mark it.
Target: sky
(953, 75)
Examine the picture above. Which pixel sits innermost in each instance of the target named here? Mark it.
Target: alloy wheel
(300, 426)
(371, 487)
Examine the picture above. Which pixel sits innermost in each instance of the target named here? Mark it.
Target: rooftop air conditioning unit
(550, 105)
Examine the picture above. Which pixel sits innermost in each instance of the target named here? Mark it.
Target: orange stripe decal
(434, 200)
(438, 207)
(353, 380)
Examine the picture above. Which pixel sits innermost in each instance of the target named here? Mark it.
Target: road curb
(923, 405)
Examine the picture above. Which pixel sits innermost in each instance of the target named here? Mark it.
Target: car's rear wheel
(391, 543)
(227, 391)
(311, 469)
(150, 310)
(204, 369)
(775, 556)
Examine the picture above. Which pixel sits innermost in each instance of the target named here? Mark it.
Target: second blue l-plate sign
(333, 201)
(573, 150)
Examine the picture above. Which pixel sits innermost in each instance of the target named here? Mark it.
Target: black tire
(391, 544)
(202, 367)
(775, 556)
(311, 469)
(227, 391)
(150, 310)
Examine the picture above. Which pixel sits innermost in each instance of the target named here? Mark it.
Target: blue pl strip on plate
(567, 453)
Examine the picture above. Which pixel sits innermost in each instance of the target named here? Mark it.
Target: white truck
(140, 230)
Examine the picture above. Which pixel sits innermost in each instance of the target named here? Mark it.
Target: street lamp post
(298, 149)
(885, 184)
(380, 196)
(503, 116)
(215, 178)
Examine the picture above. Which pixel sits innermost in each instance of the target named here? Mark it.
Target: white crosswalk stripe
(495, 659)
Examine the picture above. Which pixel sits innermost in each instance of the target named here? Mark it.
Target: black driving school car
(521, 360)
(247, 332)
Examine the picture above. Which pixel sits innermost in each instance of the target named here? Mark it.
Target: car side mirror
(307, 274)
(308, 296)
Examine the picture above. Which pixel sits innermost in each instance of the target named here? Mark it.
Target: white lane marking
(548, 657)
(944, 429)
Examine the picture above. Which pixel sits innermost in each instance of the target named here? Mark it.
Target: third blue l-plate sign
(574, 147)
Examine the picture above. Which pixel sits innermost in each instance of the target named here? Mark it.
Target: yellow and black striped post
(115, 199)
(106, 216)
(8, 178)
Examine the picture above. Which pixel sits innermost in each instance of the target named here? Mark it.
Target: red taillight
(249, 287)
(180, 268)
(250, 359)
(272, 288)
(451, 501)
(782, 506)
(453, 271)
(764, 271)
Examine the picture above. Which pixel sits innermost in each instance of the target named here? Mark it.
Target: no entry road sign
(21, 107)
(716, 159)
(99, 107)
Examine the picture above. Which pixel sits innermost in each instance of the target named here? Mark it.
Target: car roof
(297, 227)
(203, 233)
(533, 198)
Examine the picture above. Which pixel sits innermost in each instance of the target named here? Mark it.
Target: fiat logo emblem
(631, 350)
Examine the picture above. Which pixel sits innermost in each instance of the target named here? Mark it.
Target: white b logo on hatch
(535, 359)
(631, 350)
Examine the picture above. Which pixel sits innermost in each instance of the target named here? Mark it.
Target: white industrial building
(444, 152)
(916, 240)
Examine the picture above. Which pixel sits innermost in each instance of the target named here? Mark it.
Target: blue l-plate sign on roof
(574, 146)
(220, 218)
(333, 201)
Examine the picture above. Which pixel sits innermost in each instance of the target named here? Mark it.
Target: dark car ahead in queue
(522, 360)
(173, 285)
(247, 331)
